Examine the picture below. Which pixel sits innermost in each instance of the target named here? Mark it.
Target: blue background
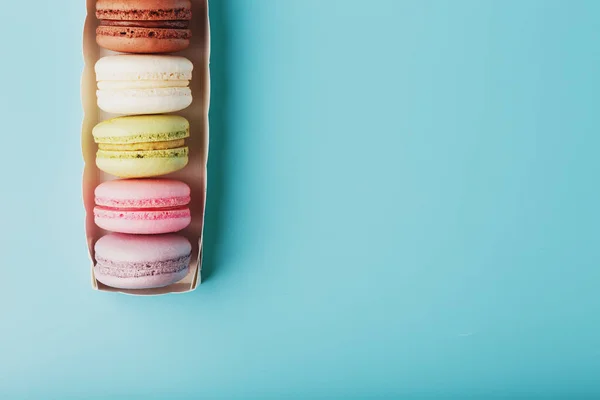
(403, 201)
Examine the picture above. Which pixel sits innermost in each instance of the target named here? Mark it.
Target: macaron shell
(141, 249)
(140, 45)
(145, 282)
(141, 164)
(141, 32)
(141, 129)
(133, 67)
(131, 10)
(142, 193)
(144, 101)
(144, 222)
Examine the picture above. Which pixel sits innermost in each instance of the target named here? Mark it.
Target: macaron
(136, 84)
(144, 26)
(142, 146)
(142, 206)
(141, 262)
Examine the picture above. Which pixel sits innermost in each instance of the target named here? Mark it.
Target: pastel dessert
(142, 206)
(144, 26)
(136, 84)
(141, 262)
(142, 146)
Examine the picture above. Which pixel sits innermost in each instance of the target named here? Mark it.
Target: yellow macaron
(142, 146)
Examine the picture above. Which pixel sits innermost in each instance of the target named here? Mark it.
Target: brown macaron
(144, 26)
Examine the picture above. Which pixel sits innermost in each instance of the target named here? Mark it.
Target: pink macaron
(140, 261)
(142, 206)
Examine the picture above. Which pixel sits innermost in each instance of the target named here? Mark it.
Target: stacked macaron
(142, 142)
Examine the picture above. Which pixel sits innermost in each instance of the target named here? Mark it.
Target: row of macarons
(141, 210)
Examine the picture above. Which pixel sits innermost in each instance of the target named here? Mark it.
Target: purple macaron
(141, 262)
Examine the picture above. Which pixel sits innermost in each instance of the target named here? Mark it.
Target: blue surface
(404, 201)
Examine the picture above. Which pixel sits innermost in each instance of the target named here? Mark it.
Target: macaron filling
(153, 214)
(141, 84)
(148, 24)
(169, 153)
(171, 144)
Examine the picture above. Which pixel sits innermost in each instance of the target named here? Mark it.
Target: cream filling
(143, 84)
(152, 92)
(172, 144)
